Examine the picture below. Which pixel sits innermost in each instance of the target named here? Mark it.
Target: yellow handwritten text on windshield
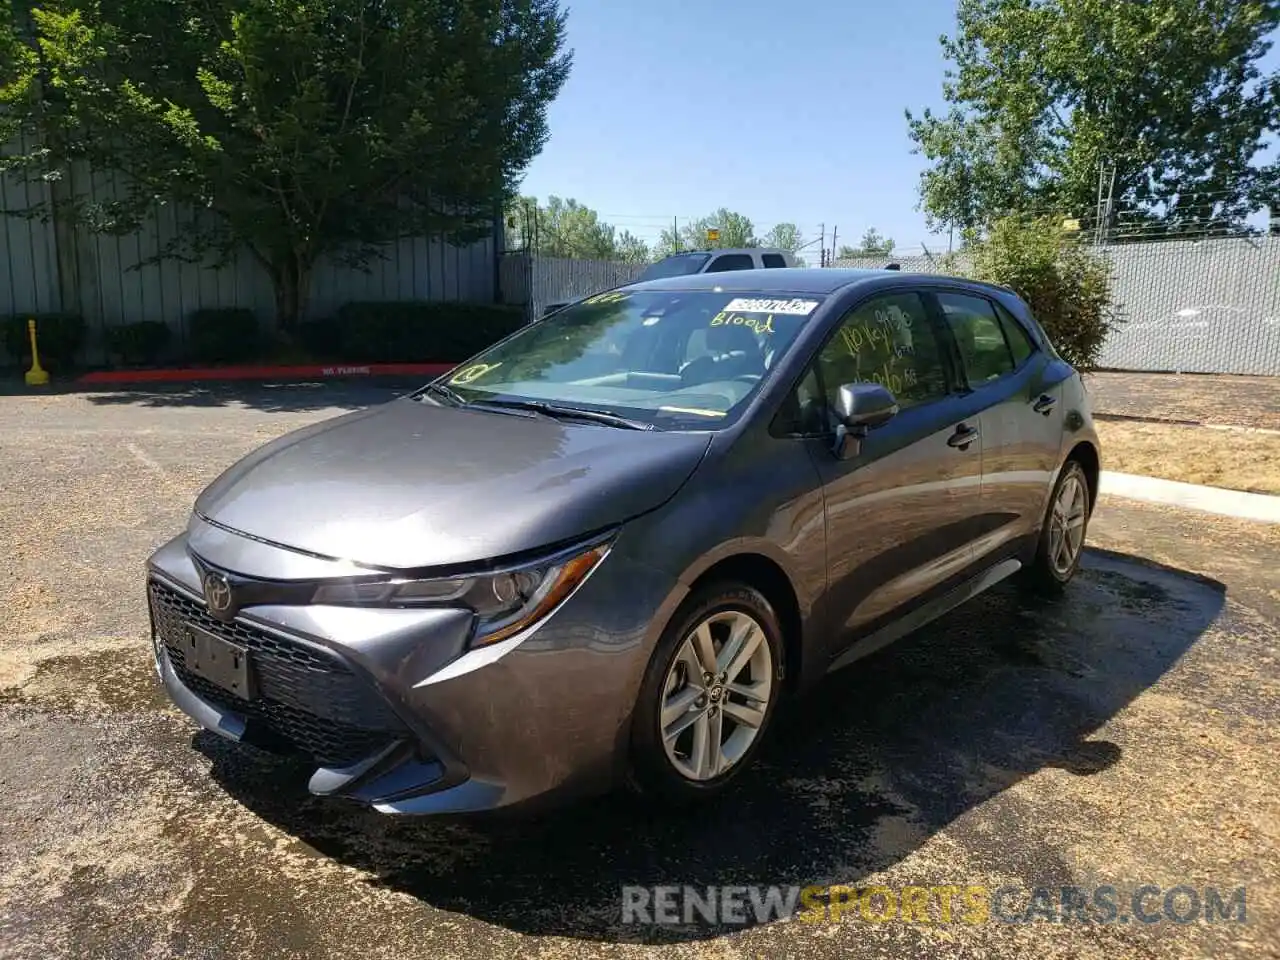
(473, 372)
(761, 326)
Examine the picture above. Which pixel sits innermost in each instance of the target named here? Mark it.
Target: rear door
(898, 513)
(1020, 416)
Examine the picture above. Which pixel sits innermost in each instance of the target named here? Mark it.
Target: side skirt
(917, 618)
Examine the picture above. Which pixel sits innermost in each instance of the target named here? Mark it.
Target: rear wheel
(708, 694)
(1062, 533)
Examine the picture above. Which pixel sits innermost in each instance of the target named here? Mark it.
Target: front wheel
(1062, 534)
(708, 694)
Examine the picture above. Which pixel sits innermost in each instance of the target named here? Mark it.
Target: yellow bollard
(36, 376)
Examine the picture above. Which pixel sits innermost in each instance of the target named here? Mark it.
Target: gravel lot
(1126, 735)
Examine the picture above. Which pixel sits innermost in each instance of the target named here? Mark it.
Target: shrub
(225, 335)
(322, 339)
(138, 343)
(416, 331)
(58, 335)
(1067, 287)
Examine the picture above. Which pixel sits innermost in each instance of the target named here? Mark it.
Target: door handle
(963, 436)
(1044, 404)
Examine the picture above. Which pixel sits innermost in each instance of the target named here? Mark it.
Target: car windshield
(670, 359)
(680, 265)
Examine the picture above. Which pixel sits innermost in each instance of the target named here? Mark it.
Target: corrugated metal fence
(541, 281)
(1206, 306)
(46, 269)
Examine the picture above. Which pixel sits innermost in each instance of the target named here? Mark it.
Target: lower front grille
(308, 699)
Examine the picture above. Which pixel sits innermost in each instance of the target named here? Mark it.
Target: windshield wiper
(449, 395)
(569, 413)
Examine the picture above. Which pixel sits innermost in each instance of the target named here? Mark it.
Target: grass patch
(1234, 459)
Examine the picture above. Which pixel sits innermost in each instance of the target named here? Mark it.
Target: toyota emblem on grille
(217, 593)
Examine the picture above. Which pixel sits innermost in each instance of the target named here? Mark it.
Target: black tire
(1043, 576)
(651, 771)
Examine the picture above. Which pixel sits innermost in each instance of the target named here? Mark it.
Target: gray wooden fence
(48, 269)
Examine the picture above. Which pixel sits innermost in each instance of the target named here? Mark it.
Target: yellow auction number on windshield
(605, 298)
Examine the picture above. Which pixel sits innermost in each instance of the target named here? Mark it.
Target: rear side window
(1019, 343)
(977, 331)
(773, 260)
(731, 261)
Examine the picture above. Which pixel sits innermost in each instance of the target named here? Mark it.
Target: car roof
(813, 280)
(685, 253)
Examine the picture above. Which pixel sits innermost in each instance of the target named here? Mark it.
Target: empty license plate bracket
(222, 663)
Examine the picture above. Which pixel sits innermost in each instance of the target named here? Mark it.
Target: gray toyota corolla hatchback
(602, 550)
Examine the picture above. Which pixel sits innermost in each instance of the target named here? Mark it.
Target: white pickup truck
(707, 261)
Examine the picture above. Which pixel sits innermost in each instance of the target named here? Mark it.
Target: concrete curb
(1230, 503)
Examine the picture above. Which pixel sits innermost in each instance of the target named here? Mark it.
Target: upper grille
(311, 700)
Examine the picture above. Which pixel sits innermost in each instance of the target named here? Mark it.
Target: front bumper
(393, 708)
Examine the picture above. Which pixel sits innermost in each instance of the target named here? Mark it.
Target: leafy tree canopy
(783, 236)
(1044, 94)
(735, 230)
(567, 228)
(295, 130)
(874, 244)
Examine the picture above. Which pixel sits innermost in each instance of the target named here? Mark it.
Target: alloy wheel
(716, 694)
(1066, 525)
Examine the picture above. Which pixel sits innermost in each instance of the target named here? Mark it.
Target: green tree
(631, 249)
(874, 244)
(300, 130)
(17, 77)
(783, 236)
(735, 229)
(1045, 95)
(567, 228)
(1066, 285)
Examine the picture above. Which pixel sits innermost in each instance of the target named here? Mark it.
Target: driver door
(899, 512)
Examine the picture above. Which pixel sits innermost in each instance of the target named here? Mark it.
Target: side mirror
(860, 407)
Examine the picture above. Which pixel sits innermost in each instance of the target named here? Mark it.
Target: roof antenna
(893, 266)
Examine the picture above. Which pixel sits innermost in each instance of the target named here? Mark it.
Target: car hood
(411, 484)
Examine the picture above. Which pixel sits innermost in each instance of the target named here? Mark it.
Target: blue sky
(781, 112)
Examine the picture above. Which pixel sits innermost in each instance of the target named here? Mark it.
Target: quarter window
(889, 341)
(772, 260)
(983, 348)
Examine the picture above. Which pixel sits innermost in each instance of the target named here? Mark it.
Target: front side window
(890, 341)
(983, 349)
(676, 359)
(731, 261)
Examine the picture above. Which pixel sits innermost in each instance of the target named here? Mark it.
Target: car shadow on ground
(856, 776)
(284, 397)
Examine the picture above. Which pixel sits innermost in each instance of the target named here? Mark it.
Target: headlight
(504, 603)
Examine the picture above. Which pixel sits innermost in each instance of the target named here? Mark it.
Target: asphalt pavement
(1123, 737)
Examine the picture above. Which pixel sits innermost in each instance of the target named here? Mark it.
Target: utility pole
(675, 235)
(822, 243)
(834, 248)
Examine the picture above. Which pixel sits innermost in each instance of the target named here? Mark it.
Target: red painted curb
(296, 372)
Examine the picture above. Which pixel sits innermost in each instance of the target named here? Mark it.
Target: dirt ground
(1126, 735)
(1189, 398)
(1231, 458)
